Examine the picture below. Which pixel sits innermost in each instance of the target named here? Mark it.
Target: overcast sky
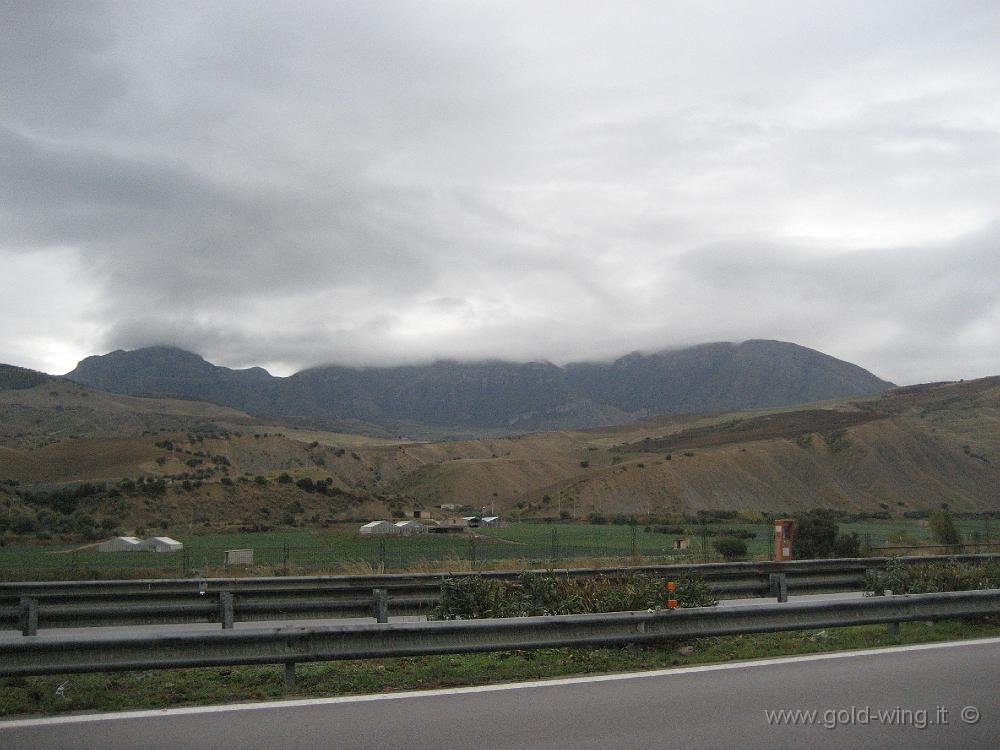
(292, 183)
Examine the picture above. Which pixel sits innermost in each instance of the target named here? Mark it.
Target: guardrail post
(28, 616)
(381, 601)
(289, 675)
(779, 586)
(226, 605)
(891, 628)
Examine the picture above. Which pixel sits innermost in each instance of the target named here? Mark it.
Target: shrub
(815, 535)
(474, 597)
(943, 529)
(730, 548)
(23, 524)
(926, 578)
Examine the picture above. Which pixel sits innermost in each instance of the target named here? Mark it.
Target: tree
(817, 535)
(730, 547)
(943, 529)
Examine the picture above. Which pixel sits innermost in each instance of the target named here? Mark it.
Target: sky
(372, 183)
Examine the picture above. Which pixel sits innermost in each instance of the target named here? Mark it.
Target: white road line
(676, 671)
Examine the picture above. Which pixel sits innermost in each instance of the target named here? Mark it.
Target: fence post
(285, 555)
(185, 562)
(634, 546)
(381, 605)
(554, 547)
(28, 616)
(226, 606)
(779, 586)
(381, 553)
(473, 552)
(289, 675)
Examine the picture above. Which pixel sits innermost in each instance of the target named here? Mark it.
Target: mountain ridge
(496, 394)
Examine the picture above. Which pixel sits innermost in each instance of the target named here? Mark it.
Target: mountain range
(461, 398)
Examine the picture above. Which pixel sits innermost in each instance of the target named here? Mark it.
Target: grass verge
(184, 687)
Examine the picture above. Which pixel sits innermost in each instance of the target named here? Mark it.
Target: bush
(847, 545)
(816, 536)
(926, 578)
(730, 548)
(475, 597)
(943, 529)
(23, 524)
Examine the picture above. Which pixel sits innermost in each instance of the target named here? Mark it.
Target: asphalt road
(716, 706)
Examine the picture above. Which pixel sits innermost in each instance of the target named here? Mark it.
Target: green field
(343, 550)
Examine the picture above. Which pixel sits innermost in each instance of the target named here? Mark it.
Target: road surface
(930, 694)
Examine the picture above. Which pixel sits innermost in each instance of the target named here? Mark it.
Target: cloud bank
(373, 183)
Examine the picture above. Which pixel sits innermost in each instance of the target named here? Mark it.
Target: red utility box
(784, 532)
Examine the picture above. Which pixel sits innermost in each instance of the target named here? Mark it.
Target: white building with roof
(121, 544)
(373, 528)
(162, 544)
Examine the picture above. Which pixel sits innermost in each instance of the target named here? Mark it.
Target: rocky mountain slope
(459, 398)
(909, 449)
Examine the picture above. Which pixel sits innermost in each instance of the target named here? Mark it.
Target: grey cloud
(369, 183)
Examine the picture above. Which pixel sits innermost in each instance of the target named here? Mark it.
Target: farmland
(342, 550)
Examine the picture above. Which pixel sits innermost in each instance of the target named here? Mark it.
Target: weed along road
(932, 695)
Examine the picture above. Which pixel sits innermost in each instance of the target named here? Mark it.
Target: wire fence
(347, 554)
(516, 546)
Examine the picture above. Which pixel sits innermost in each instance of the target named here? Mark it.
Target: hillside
(37, 409)
(910, 449)
(495, 397)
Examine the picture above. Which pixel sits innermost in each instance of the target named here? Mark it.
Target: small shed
(473, 522)
(490, 522)
(680, 543)
(373, 528)
(162, 544)
(409, 528)
(239, 557)
(121, 544)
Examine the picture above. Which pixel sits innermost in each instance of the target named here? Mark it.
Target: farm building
(473, 522)
(121, 544)
(408, 528)
(162, 544)
(490, 522)
(238, 557)
(680, 543)
(377, 527)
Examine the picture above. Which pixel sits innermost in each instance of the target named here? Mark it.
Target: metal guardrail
(60, 655)
(164, 601)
